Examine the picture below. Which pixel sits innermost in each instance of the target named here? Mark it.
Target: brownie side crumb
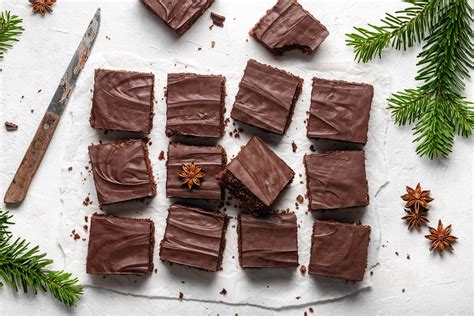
(223, 292)
(10, 127)
(161, 156)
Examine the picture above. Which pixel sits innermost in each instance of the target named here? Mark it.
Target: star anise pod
(191, 174)
(415, 218)
(441, 238)
(416, 198)
(42, 6)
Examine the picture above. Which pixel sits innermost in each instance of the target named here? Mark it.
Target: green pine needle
(437, 107)
(10, 29)
(24, 268)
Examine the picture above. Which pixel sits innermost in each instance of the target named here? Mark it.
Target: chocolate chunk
(122, 171)
(340, 110)
(266, 97)
(256, 176)
(179, 15)
(120, 246)
(194, 237)
(268, 242)
(122, 100)
(195, 105)
(339, 250)
(212, 160)
(217, 19)
(336, 180)
(288, 26)
(10, 127)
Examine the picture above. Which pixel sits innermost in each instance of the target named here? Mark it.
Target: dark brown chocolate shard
(120, 246)
(122, 100)
(194, 237)
(268, 242)
(122, 171)
(266, 97)
(11, 127)
(212, 160)
(336, 180)
(339, 250)
(256, 176)
(340, 110)
(195, 105)
(179, 15)
(217, 19)
(288, 26)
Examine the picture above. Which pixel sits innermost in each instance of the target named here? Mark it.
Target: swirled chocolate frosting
(120, 245)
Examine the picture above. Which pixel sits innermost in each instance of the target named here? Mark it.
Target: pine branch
(24, 267)
(10, 29)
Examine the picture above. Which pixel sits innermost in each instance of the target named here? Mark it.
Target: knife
(18, 188)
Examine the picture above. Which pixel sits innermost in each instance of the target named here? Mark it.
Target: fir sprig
(10, 29)
(25, 268)
(437, 106)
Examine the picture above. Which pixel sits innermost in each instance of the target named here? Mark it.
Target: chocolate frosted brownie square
(179, 15)
(195, 105)
(256, 176)
(266, 97)
(122, 246)
(122, 171)
(288, 26)
(268, 242)
(340, 110)
(184, 180)
(122, 100)
(194, 237)
(336, 180)
(339, 250)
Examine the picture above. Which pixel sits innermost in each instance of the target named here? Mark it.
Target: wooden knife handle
(21, 182)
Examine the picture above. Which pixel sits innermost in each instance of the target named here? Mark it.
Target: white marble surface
(433, 285)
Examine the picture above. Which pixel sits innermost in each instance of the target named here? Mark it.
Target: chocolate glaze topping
(340, 110)
(339, 250)
(268, 242)
(288, 26)
(194, 237)
(195, 105)
(120, 245)
(122, 100)
(266, 97)
(336, 180)
(122, 171)
(212, 159)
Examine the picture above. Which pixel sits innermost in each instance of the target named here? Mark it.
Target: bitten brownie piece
(120, 245)
(179, 15)
(211, 160)
(336, 180)
(122, 100)
(340, 110)
(256, 176)
(122, 171)
(339, 250)
(266, 97)
(288, 26)
(194, 237)
(195, 105)
(268, 242)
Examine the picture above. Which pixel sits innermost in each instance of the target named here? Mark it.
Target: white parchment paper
(274, 288)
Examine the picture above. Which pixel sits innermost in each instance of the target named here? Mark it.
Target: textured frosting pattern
(339, 250)
(261, 171)
(266, 97)
(121, 171)
(336, 180)
(269, 242)
(120, 245)
(179, 15)
(340, 110)
(212, 159)
(194, 237)
(122, 100)
(286, 26)
(195, 105)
